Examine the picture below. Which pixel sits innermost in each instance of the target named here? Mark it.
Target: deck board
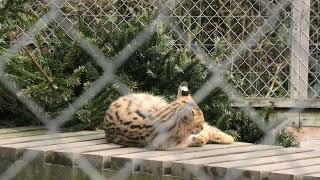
(102, 159)
(15, 150)
(180, 168)
(263, 160)
(315, 175)
(23, 134)
(234, 169)
(70, 156)
(46, 137)
(20, 129)
(269, 170)
(213, 161)
(135, 161)
(42, 151)
(300, 171)
(310, 142)
(162, 164)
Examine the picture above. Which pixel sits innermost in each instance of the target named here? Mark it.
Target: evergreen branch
(40, 69)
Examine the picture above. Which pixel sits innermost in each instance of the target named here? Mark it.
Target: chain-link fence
(284, 63)
(267, 48)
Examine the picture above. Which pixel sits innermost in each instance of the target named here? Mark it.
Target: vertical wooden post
(300, 49)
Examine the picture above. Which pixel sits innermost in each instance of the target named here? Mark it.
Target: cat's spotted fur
(209, 134)
(141, 119)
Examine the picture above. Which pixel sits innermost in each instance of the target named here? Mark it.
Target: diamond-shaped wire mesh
(314, 66)
(219, 27)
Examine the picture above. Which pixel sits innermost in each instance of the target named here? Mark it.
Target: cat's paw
(196, 141)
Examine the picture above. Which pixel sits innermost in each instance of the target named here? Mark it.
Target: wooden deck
(237, 161)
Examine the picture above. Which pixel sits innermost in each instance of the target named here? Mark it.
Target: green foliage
(286, 138)
(156, 67)
(12, 112)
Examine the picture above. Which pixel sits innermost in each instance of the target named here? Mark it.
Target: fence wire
(260, 45)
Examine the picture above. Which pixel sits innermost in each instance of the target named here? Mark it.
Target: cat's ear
(183, 90)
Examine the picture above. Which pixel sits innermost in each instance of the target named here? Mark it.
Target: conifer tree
(54, 79)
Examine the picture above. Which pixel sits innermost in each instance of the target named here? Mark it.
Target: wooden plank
(134, 160)
(311, 121)
(21, 129)
(70, 157)
(14, 151)
(162, 164)
(303, 119)
(102, 159)
(42, 151)
(295, 172)
(254, 171)
(53, 141)
(311, 139)
(263, 160)
(181, 168)
(292, 117)
(23, 134)
(68, 145)
(264, 169)
(298, 119)
(234, 170)
(47, 136)
(310, 142)
(300, 49)
(316, 176)
(277, 103)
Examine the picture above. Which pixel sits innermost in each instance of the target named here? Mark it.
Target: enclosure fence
(283, 64)
(266, 48)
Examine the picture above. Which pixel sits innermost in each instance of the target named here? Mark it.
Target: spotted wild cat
(141, 119)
